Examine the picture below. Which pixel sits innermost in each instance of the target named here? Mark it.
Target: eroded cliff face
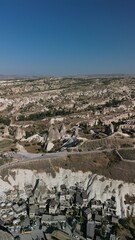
(98, 187)
(102, 188)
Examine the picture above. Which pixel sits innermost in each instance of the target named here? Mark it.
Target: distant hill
(12, 77)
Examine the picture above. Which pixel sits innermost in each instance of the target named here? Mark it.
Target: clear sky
(66, 37)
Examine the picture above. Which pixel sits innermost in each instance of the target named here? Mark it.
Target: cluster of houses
(67, 211)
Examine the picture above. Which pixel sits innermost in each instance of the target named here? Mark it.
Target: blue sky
(67, 37)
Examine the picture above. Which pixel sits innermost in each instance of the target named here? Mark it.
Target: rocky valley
(76, 132)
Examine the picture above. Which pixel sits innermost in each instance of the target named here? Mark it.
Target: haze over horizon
(70, 37)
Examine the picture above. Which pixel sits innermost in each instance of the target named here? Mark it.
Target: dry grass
(109, 142)
(6, 145)
(106, 164)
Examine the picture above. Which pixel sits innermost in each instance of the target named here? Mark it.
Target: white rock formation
(63, 131)
(35, 138)
(54, 134)
(57, 119)
(98, 187)
(112, 128)
(6, 132)
(103, 189)
(49, 146)
(76, 131)
(20, 148)
(20, 133)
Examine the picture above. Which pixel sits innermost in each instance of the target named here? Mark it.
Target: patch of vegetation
(41, 115)
(4, 160)
(126, 145)
(84, 127)
(29, 134)
(106, 81)
(5, 120)
(127, 228)
(128, 154)
(129, 199)
(113, 103)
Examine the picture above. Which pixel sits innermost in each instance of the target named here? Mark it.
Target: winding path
(21, 157)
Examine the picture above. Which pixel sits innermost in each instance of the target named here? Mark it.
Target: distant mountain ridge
(12, 77)
(17, 76)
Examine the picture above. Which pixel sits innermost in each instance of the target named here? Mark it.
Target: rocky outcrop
(20, 148)
(35, 138)
(101, 188)
(98, 187)
(63, 131)
(6, 132)
(54, 134)
(48, 146)
(112, 128)
(20, 133)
